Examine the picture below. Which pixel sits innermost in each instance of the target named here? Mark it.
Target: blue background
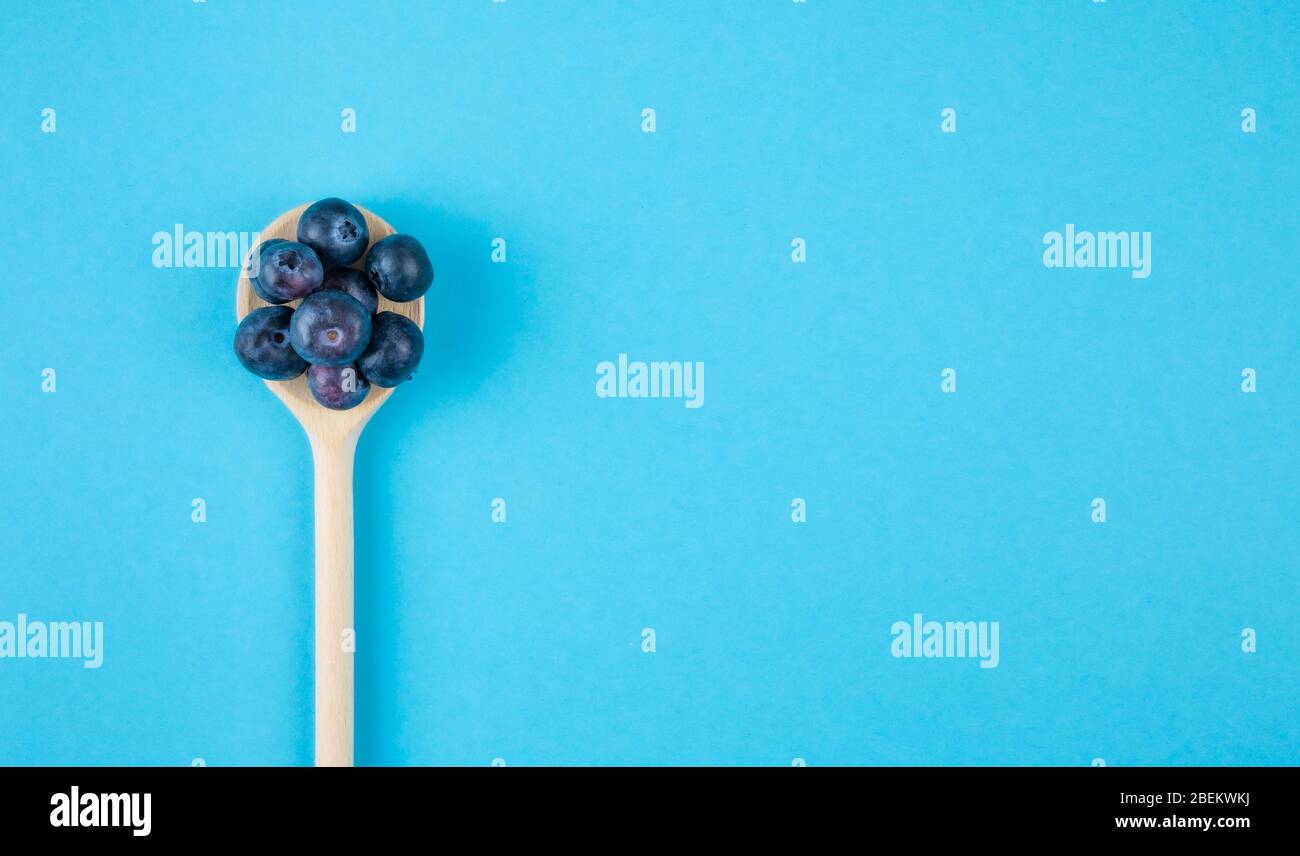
(522, 641)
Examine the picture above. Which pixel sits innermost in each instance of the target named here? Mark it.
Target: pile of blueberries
(336, 335)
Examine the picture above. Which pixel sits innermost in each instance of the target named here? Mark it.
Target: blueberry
(336, 230)
(399, 268)
(396, 345)
(337, 387)
(253, 266)
(262, 344)
(288, 271)
(352, 281)
(330, 328)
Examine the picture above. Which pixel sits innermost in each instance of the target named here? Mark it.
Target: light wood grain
(333, 435)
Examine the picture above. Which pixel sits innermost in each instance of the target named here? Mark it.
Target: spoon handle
(335, 639)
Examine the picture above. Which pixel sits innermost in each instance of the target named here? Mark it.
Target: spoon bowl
(333, 435)
(316, 419)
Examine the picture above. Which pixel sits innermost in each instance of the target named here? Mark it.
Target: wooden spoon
(333, 435)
